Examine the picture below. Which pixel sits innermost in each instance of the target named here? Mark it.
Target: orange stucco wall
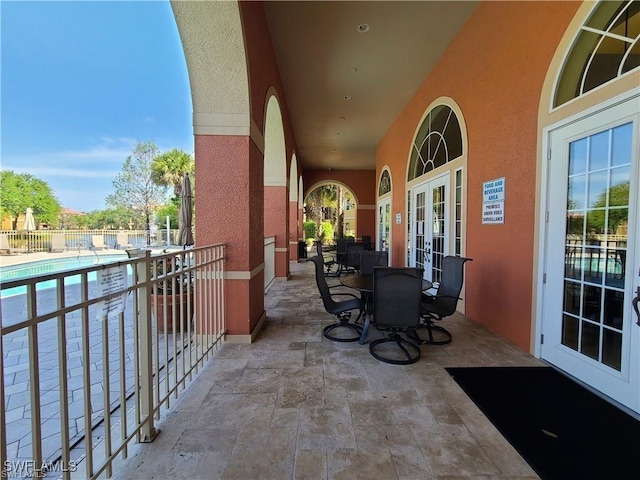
(494, 69)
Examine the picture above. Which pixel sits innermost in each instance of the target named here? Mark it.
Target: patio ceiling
(345, 87)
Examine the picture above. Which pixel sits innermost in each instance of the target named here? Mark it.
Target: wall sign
(398, 218)
(493, 201)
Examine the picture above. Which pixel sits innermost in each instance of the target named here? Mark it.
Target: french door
(384, 226)
(592, 261)
(430, 229)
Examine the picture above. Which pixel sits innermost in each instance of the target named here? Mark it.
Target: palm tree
(167, 169)
(322, 199)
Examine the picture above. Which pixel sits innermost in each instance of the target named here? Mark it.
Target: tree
(115, 218)
(169, 210)
(134, 187)
(321, 200)
(167, 169)
(21, 191)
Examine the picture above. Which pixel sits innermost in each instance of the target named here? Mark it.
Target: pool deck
(16, 362)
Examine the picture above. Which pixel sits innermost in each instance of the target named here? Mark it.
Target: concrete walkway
(294, 405)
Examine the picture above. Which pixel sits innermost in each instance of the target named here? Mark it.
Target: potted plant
(171, 293)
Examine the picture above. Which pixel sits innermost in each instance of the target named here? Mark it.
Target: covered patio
(293, 404)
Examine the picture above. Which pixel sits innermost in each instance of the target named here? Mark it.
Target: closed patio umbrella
(29, 222)
(185, 235)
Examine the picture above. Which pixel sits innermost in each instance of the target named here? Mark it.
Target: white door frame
(544, 227)
(426, 187)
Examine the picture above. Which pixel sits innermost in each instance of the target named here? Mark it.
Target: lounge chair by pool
(122, 241)
(7, 249)
(97, 242)
(57, 242)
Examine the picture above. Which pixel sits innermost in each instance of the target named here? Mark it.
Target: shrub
(326, 233)
(309, 229)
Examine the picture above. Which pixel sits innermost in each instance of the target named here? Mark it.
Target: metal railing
(89, 358)
(60, 240)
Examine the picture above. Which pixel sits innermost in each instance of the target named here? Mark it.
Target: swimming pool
(54, 265)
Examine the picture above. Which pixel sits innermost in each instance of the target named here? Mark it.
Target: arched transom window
(607, 46)
(438, 141)
(385, 183)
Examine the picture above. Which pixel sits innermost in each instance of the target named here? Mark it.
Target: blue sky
(81, 83)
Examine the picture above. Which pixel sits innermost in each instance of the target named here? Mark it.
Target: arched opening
(330, 212)
(276, 198)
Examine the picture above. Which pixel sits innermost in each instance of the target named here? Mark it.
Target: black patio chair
(368, 260)
(341, 253)
(443, 304)
(329, 262)
(366, 239)
(341, 309)
(352, 261)
(397, 296)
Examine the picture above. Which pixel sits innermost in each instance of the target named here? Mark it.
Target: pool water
(42, 267)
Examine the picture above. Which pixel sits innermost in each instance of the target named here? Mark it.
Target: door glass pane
(573, 262)
(619, 191)
(590, 340)
(578, 157)
(597, 186)
(591, 302)
(613, 308)
(572, 298)
(612, 348)
(621, 150)
(593, 259)
(570, 332)
(577, 192)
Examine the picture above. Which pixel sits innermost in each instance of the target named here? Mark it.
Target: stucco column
(229, 209)
(276, 209)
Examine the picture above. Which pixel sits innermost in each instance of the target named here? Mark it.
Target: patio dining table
(364, 284)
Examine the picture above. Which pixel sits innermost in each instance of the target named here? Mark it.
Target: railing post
(143, 277)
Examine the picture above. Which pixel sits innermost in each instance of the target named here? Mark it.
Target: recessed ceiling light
(347, 97)
(363, 28)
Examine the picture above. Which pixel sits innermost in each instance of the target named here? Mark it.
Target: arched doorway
(436, 204)
(589, 215)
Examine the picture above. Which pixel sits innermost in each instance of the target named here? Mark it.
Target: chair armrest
(340, 294)
(426, 298)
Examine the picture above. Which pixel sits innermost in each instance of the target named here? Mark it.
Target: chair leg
(410, 350)
(365, 329)
(343, 323)
(431, 340)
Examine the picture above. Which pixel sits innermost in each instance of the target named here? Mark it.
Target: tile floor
(294, 405)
